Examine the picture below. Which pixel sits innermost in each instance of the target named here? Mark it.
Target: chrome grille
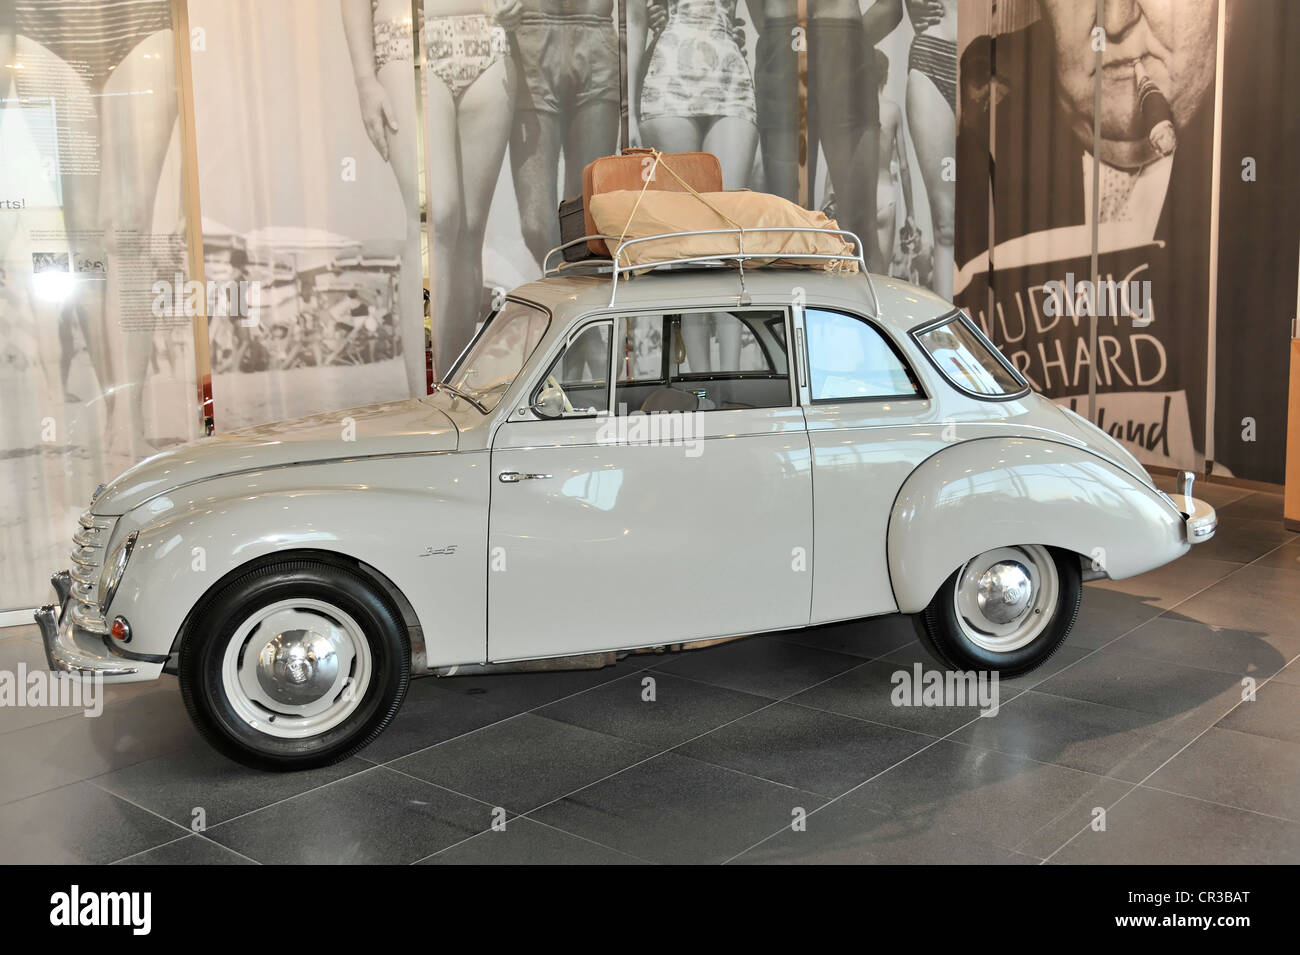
(90, 541)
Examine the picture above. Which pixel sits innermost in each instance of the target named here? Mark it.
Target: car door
(869, 425)
(678, 507)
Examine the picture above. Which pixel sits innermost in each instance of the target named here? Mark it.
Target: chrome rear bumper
(1199, 518)
(73, 649)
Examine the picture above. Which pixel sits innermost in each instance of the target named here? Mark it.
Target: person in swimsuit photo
(460, 47)
(932, 120)
(568, 105)
(843, 103)
(103, 55)
(471, 86)
(690, 86)
(691, 90)
(893, 150)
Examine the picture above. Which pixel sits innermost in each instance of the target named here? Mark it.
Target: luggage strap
(659, 161)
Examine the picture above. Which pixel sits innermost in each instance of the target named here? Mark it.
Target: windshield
(487, 370)
(969, 360)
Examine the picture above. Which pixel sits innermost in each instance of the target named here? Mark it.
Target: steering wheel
(552, 383)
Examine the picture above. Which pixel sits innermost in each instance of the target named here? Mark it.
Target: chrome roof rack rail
(594, 264)
(613, 267)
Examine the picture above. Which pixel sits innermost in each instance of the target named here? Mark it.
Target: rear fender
(996, 492)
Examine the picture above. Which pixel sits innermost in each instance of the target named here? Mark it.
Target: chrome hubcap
(1006, 597)
(296, 668)
(1004, 591)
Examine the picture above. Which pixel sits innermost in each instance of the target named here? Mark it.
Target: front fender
(996, 492)
(385, 514)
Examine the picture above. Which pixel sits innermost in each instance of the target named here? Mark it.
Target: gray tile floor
(776, 749)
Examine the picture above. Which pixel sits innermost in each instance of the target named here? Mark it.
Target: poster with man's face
(1027, 141)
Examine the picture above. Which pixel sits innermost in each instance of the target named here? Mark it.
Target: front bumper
(70, 648)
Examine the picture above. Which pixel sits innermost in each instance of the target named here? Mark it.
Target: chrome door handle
(514, 477)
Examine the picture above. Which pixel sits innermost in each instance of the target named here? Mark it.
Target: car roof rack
(617, 269)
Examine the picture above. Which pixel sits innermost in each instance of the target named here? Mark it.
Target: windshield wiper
(460, 394)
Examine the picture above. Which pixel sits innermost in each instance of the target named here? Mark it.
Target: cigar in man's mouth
(1157, 117)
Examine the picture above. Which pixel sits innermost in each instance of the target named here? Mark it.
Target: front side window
(497, 356)
(969, 360)
(849, 359)
(701, 361)
(577, 383)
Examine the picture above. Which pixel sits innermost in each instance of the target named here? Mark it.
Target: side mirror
(550, 402)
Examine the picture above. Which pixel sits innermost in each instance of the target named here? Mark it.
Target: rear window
(968, 360)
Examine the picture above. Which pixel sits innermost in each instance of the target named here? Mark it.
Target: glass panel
(578, 380)
(848, 358)
(717, 342)
(703, 361)
(641, 348)
(967, 359)
(499, 354)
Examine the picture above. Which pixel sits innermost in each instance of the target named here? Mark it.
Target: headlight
(114, 567)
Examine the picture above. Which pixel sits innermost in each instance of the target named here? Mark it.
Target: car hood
(414, 426)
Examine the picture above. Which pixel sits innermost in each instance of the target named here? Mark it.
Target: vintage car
(616, 463)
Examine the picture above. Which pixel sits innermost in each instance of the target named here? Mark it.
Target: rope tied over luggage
(648, 178)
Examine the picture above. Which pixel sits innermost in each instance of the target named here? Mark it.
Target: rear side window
(968, 360)
(848, 359)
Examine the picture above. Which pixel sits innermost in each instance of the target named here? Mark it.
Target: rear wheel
(294, 665)
(1008, 609)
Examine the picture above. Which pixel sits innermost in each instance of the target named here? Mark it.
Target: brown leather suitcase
(629, 170)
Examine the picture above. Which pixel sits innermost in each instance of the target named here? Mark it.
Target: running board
(583, 661)
(579, 661)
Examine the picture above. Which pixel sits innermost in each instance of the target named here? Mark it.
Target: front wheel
(1008, 609)
(294, 665)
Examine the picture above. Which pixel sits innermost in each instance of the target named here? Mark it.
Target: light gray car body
(811, 513)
